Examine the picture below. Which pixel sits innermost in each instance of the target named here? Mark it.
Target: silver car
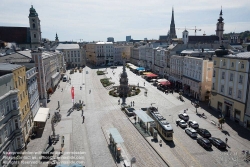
(182, 123)
(191, 132)
(193, 124)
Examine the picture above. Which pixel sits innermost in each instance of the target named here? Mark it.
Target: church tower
(56, 39)
(35, 29)
(172, 27)
(185, 36)
(220, 27)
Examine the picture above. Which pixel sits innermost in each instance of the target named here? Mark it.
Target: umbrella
(50, 141)
(76, 165)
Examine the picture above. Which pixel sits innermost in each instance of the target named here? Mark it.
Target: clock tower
(35, 29)
(220, 27)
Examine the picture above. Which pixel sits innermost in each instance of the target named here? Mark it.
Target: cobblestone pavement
(101, 110)
(185, 149)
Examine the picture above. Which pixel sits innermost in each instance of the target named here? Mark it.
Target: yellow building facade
(19, 77)
(230, 85)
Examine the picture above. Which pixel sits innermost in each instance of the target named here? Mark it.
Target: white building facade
(31, 76)
(11, 137)
(48, 76)
(146, 56)
(72, 54)
(159, 61)
(176, 71)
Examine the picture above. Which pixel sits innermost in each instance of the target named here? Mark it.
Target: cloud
(97, 19)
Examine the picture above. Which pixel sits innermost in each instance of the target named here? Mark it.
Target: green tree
(221, 121)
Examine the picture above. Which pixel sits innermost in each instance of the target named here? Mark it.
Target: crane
(195, 29)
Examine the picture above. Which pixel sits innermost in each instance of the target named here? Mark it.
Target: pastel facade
(230, 87)
(197, 77)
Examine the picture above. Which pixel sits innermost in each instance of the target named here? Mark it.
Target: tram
(163, 127)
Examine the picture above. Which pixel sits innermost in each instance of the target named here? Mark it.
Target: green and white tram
(163, 127)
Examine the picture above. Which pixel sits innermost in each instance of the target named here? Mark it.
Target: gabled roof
(20, 35)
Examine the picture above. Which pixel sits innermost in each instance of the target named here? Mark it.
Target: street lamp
(133, 160)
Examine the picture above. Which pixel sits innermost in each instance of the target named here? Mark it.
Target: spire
(172, 26)
(220, 17)
(172, 20)
(33, 12)
(221, 11)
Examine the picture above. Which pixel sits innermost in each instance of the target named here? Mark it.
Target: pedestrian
(133, 103)
(83, 117)
(118, 101)
(135, 119)
(82, 112)
(59, 110)
(62, 89)
(226, 140)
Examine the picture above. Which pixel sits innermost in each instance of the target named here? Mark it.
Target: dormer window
(232, 65)
(224, 63)
(242, 66)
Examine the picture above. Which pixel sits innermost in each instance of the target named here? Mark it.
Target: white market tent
(41, 115)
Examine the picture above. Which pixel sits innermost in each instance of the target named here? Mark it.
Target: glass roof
(116, 135)
(143, 116)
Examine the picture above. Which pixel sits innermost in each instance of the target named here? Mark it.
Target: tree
(221, 121)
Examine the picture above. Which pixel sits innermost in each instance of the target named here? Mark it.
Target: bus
(162, 125)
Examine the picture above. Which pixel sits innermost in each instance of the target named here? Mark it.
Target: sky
(95, 20)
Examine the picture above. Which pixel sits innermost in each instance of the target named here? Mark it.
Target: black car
(218, 143)
(203, 132)
(183, 116)
(204, 142)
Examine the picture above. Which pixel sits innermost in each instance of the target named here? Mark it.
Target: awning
(145, 73)
(143, 116)
(161, 80)
(151, 75)
(55, 75)
(41, 115)
(165, 83)
(116, 135)
(140, 69)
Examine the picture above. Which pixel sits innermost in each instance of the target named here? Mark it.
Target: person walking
(133, 103)
(82, 112)
(135, 119)
(118, 101)
(83, 117)
(226, 140)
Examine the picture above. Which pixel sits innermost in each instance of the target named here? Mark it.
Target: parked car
(203, 132)
(183, 116)
(193, 124)
(112, 67)
(218, 143)
(181, 123)
(191, 132)
(204, 142)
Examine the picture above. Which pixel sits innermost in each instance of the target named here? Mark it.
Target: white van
(65, 78)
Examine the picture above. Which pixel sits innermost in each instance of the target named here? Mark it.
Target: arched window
(34, 25)
(34, 35)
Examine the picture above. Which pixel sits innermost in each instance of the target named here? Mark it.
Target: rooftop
(8, 67)
(104, 43)
(68, 46)
(242, 55)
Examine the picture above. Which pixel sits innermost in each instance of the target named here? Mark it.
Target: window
(231, 76)
(239, 94)
(14, 104)
(214, 74)
(23, 111)
(18, 142)
(240, 79)
(34, 35)
(21, 97)
(7, 106)
(223, 75)
(2, 109)
(34, 26)
(5, 132)
(16, 83)
(232, 65)
(213, 86)
(16, 124)
(230, 91)
(224, 63)
(222, 88)
(242, 66)
(214, 62)
(25, 108)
